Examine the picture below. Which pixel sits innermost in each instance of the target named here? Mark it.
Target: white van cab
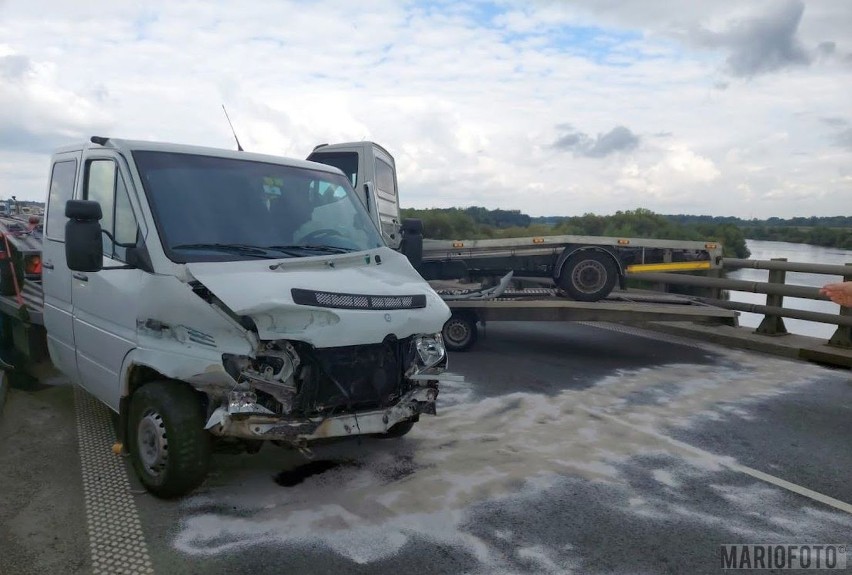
(209, 296)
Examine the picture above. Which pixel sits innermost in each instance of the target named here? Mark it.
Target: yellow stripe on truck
(672, 267)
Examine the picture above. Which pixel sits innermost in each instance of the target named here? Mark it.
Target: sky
(718, 107)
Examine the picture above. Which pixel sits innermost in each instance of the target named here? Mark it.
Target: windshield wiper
(311, 247)
(233, 248)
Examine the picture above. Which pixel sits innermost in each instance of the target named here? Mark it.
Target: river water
(762, 250)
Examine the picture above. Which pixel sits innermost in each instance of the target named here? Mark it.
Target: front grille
(352, 377)
(357, 301)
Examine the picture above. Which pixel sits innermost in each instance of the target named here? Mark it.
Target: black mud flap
(444, 270)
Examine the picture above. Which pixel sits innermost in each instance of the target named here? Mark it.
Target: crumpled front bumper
(300, 430)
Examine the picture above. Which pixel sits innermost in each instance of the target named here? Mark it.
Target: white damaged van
(212, 296)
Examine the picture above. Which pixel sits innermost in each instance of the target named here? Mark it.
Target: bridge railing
(775, 290)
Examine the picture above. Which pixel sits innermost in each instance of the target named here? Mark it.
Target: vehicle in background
(586, 268)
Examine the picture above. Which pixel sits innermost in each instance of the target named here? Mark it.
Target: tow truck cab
(372, 172)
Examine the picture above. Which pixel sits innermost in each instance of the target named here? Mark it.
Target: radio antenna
(239, 147)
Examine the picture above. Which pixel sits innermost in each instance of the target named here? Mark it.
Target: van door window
(61, 190)
(387, 206)
(105, 185)
(384, 178)
(126, 228)
(100, 187)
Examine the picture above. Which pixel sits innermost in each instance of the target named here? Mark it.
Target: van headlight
(431, 353)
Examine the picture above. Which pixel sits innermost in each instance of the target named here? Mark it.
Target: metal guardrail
(775, 289)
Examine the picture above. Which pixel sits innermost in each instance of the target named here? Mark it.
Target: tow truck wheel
(169, 448)
(588, 276)
(460, 332)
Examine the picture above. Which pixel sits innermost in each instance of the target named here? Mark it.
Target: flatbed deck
(471, 306)
(546, 305)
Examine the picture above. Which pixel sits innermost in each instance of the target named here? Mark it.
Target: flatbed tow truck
(21, 295)
(579, 273)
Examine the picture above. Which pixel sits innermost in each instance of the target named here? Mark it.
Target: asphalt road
(568, 448)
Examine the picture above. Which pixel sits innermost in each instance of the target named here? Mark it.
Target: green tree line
(818, 236)
(827, 231)
(797, 222)
(481, 223)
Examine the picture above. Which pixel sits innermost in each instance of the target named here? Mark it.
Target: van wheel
(169, 448)
(397, 430)
(460, 332)
(588, 276)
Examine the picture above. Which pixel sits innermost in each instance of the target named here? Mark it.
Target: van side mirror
(83, 243)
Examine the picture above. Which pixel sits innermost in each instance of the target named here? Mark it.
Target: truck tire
(588, 275)
(169, 448)
(460, 332)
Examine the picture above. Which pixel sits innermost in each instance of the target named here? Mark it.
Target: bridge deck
(789, 345)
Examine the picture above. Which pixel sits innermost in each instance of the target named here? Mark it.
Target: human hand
(840, 293)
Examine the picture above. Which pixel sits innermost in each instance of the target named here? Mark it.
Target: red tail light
(33, 265)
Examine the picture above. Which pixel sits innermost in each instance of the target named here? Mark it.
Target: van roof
(343, 145)
(127, 146)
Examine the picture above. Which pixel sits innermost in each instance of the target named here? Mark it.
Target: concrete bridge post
(843, 336)
(774, 324)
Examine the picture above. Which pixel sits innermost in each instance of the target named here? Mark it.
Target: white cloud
(679, 173)
(468, 98)
(36, 111)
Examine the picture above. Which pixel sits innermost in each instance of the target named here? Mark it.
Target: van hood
(328, 301)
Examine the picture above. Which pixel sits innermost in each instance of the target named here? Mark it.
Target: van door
(387, 198)
(104, 302)
(56, 277)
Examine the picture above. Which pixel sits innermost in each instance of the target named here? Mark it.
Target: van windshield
(210, 208)
(346, 162)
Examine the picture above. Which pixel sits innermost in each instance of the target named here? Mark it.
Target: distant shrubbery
(831, 231)
(799, 222)
(479, 223)
(828, 237)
